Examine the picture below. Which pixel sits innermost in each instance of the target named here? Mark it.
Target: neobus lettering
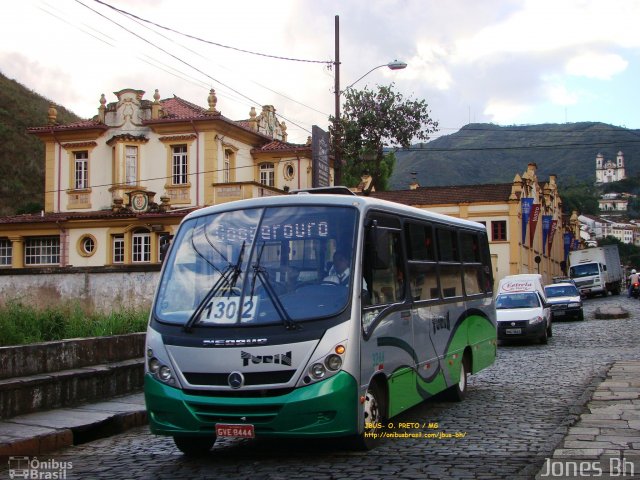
(215, 342)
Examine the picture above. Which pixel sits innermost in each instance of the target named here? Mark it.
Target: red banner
(552, 230)
(533, 222)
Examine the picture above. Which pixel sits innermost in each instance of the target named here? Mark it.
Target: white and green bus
(254, 332)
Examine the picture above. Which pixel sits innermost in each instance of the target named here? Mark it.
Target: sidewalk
(46, 431)
(605, 441)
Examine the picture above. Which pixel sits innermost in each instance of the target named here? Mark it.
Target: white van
(522, 309)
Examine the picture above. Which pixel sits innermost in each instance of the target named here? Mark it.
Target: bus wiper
(228, 278)
(260, 272)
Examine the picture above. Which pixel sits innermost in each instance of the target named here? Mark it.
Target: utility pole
(337, 158)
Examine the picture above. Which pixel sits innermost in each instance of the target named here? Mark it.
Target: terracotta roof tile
(95, 215)
(497, 192)
(280, 146)
(80, 125)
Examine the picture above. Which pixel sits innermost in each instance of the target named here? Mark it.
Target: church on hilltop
(610, 171)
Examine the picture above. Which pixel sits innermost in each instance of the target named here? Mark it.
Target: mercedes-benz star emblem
(513, 324)
(235, 380)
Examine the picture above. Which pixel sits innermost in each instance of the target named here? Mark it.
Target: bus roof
(361, 202)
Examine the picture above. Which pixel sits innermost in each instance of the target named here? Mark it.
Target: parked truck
(596, 270)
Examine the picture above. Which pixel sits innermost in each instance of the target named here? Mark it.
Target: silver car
(565, 301)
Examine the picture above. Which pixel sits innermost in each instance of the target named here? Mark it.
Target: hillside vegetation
(486, 153)
(22, 155)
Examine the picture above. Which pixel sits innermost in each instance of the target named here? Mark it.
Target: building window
(226, 172)
(498, 230)
(131, 166)
(179, 165)
(87, 245)
(5, 252)
(267, 176)
(42, 251)
(118, 249)
(141, 247)
(289, 171)
(81, 168)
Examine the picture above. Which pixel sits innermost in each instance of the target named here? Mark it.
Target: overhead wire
(254, 102)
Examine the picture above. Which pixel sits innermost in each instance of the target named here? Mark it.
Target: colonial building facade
(524, 219)
(117, 186)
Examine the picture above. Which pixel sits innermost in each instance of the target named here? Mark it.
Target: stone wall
(97, 289)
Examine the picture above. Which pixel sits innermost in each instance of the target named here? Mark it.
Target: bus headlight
(317, 371)
(154, 365)
(165, 374)
(333, 362)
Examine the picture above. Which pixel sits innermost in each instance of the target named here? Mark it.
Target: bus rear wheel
(457, 392)
(194, 446)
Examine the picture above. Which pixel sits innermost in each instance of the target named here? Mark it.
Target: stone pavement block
(578, 452)
(61, 418)
(111, 407)
(583, 431)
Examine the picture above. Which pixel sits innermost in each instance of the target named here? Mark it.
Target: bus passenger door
(387, 321)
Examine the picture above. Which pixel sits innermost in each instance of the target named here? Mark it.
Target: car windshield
(561, 291)
(584, 270)
(517, 300)
(257, 266)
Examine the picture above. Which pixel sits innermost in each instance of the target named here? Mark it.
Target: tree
(371, 121)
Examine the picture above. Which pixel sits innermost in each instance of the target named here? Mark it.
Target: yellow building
(117, 186)
(500, 207)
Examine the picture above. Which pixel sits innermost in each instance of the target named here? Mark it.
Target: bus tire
(458, 392)
(375, 417)
(194, 446)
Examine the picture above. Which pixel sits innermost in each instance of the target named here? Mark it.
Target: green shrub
(21, 324)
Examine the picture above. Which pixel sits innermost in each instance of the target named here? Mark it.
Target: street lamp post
(395, 65)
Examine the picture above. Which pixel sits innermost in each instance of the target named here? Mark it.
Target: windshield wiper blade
(260, 272)
(229, 278)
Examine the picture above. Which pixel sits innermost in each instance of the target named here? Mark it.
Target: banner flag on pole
(533, 222)
(526, 211)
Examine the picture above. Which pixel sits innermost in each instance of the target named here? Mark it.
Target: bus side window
(387, 282)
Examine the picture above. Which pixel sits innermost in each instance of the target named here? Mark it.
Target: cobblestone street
(515, 414)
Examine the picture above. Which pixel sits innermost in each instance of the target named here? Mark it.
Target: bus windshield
(258, 266)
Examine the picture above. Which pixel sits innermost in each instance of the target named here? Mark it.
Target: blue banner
(527, 203)
(546, 226)
(567, 244)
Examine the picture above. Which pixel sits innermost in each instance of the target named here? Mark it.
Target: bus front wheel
(375, 418)
(194, 446)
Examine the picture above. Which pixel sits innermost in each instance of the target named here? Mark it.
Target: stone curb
(28, 436)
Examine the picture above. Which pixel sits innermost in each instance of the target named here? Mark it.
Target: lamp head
(397, 65)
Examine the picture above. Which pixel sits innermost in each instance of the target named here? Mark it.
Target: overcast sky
(500, 61)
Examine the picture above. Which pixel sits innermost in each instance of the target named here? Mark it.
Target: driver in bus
(339, 272)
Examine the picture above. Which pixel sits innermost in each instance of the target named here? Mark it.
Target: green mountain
(21, 154)
(487, 153)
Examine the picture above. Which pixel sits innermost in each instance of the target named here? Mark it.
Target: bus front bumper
(325, 409)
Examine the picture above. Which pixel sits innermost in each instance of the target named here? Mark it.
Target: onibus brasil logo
(32, 468)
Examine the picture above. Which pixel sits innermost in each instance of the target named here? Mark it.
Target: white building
(610, 171)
